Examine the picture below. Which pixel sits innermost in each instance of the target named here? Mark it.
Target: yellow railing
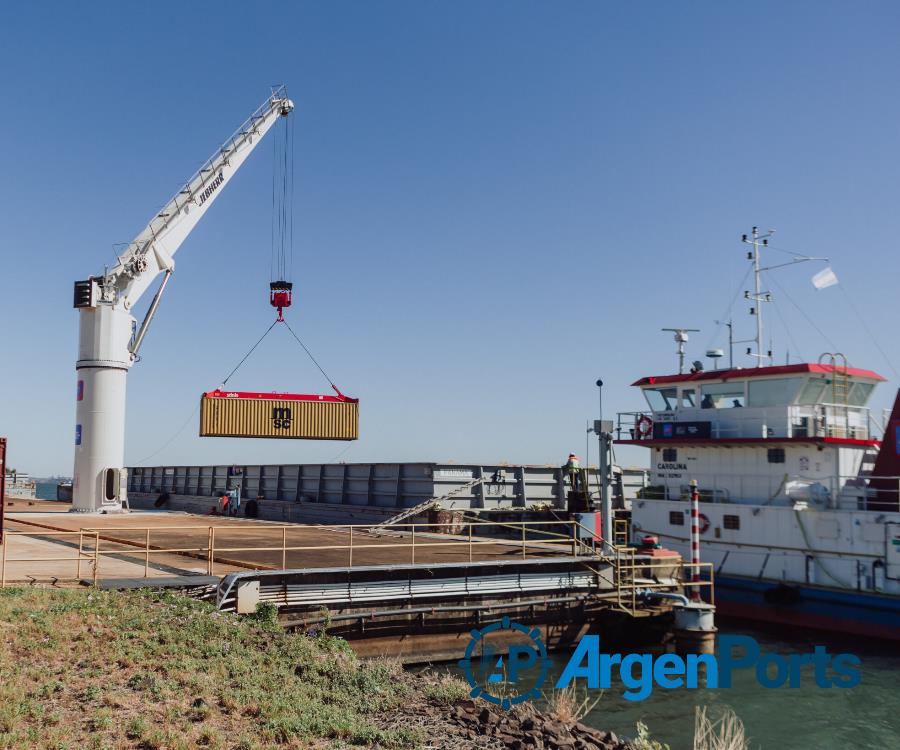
(635, 575)
(627, 562)
(621, 531)
(80, 556)
(532, 538)
(632, 572)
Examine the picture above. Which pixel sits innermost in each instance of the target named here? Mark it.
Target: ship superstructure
(799, 481)
(794, 515)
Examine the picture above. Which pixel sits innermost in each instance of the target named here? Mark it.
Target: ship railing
(627, 425)
(869, 493)
(794, 421)
(844, 492)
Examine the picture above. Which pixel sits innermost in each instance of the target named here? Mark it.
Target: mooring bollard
(695, 630)
(695, 542)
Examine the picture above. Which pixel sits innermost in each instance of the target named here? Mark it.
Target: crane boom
(108, 339)
(152, 251)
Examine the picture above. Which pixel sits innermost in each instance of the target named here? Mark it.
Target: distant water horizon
(45, 490)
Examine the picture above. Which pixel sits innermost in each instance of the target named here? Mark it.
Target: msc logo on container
(281, 417)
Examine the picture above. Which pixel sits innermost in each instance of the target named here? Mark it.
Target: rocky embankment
(529, 730)
(471, 724)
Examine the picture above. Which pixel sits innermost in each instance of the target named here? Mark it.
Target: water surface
(808, 717)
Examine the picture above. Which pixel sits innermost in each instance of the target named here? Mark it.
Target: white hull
(848, 550)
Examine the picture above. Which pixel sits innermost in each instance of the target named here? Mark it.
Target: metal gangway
(435, 502)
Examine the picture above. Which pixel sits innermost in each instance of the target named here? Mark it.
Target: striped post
(695, 541)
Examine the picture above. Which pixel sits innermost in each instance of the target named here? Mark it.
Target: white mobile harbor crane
(109, 338)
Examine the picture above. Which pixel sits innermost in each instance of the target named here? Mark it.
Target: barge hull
(808, 607)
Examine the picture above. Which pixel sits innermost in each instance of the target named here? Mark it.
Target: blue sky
(496, 204)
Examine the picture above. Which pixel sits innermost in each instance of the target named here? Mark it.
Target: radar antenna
(681, 338)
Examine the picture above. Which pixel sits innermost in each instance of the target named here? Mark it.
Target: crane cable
(297, 338)
(325, 375)
(252, 348)
(282, 232)
(237, 367)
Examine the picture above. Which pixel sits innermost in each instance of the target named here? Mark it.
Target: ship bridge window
(812, 392)
(661, 399)
(722, 395)
(859, 393)
(821, 391)
(772, 392)
(688, 398)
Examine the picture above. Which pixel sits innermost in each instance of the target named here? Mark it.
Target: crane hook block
(280, 296)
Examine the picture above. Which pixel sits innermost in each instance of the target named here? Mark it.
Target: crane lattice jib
(150, 253)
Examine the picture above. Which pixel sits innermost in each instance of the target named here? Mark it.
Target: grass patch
(95, 669)
(447, 690)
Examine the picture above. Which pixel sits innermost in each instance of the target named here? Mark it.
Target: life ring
(644, 426)
(704, 523)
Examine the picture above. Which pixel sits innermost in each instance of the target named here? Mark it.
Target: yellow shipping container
(278, 415)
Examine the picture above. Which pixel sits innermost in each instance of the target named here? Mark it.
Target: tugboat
(799, 485)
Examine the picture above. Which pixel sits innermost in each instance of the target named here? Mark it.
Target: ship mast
(759, 296)
(757, 240)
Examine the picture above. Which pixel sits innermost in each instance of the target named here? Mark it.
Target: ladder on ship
(840, 393)
(434, 502)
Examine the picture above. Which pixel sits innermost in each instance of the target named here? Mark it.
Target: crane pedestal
(103, 362)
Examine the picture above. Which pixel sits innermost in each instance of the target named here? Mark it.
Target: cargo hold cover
(278, 415)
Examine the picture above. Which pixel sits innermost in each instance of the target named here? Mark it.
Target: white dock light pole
(695, 541)
(603, 430)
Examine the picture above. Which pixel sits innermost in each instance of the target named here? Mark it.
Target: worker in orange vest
(573, 466)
